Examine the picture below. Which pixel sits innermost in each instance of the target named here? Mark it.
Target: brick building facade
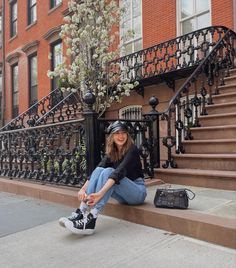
(30, 33)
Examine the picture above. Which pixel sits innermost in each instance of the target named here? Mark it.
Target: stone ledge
(198, 225)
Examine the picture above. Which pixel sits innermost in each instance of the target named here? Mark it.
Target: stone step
(232, 72)
(218, 119)
(218, 146)
(225, 162)
(214, 132)
(196, 177)
(229, 88)
(229, 107)
(231, 79)
(198, 221)
(224, 98)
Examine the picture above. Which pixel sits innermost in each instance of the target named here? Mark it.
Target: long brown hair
(112, 150)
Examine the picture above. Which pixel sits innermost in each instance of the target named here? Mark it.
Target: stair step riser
(228, 164)
(217, 182)
(224, 99)
(200, 134)
(230, 108)
(230, 89)
(232, 72)
(231, 80)
(204, 148)
(218, 121)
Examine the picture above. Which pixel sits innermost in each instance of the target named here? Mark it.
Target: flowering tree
(91, 42)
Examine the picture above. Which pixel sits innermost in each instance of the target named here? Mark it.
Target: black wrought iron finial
(89, 99)
(153, 102)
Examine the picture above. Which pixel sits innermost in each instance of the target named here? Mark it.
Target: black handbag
(172, 198)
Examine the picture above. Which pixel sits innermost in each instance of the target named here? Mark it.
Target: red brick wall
(26, 34)
(222, 13)
(159, 21)
(159, 24)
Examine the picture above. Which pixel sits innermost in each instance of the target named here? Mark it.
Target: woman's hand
(94, 198)
(82, 196)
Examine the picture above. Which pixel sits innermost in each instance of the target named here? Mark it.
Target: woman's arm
(82, 192)
(95, 197)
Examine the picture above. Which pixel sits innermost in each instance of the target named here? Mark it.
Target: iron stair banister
(55, 108)
(13, 123)
(170, 140)
(154, 65)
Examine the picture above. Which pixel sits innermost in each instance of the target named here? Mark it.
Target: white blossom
(88, 32)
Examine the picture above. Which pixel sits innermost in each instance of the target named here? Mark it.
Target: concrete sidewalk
(31, 237)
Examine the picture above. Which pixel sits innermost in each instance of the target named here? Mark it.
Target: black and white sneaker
(85, 226)
(75, 216)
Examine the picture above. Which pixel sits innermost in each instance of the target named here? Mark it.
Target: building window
(56, 59)
(0, 29)
(15, 92)
(33, 80)
(1, 104)
(194, 15)
(13, 18)
(54, 3)
(133, 112)
(32, 12)
(131, 22)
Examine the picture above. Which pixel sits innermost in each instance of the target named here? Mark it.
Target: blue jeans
(127, 192)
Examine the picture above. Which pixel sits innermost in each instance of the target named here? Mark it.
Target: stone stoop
(202, 220)
(210, 158)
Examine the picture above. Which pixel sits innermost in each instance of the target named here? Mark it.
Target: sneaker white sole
(70, 226)
(62, 221)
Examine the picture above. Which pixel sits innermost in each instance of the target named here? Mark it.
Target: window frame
(13, 22)
(1, 99)
(193, 16)
(133, 40)
(31, 7)
(15, 107)
(31, 86)
(52, 63)
(1, 24)
(54, 3)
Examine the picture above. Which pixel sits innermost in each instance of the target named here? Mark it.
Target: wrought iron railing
(60, 153)
(191, 100)
(36, 111)
(66, 152)
(66, 109)
(54, 153)
(178, 53)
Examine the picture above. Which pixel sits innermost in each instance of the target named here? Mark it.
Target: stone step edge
(220, 105)
(216, 115)
(198, 172)
(224, 94)
(208, 156)
(214, 229)
(210, 228)
(213, 127)
(227, 86)
(231, 76)
(209, 141)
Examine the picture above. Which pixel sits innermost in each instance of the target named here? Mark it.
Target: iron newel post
(91, 133)
(153, 115)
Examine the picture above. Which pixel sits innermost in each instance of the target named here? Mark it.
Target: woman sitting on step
(118, 175)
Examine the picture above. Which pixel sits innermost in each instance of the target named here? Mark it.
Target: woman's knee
(107, 172)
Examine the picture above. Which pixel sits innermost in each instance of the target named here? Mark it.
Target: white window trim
(129, 107)
(132, 41)
(179, 20)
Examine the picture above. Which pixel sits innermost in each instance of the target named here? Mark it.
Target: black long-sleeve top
(129, 166)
